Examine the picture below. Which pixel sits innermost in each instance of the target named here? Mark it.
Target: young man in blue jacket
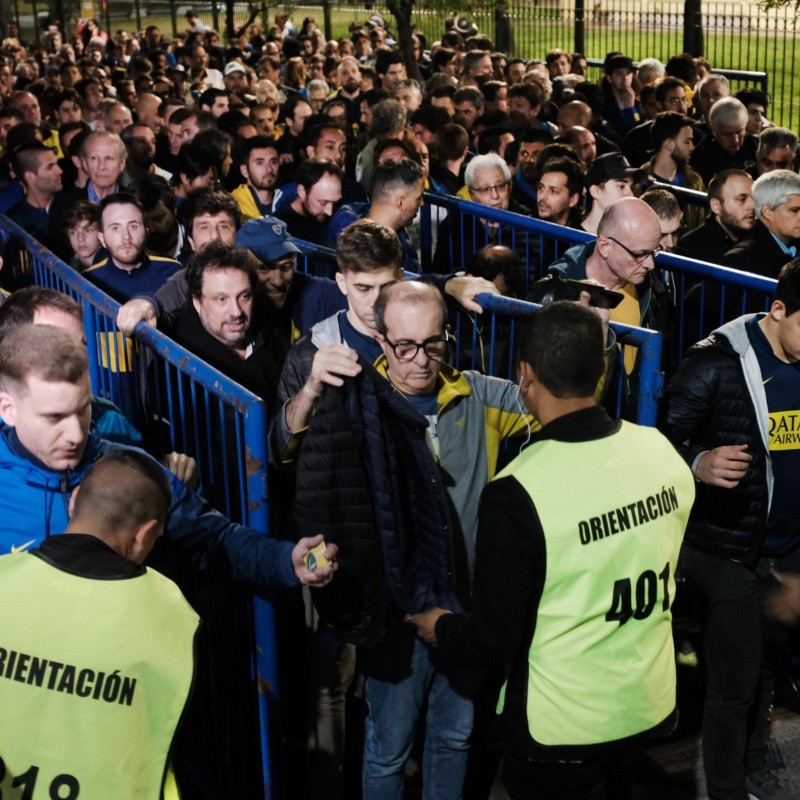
(46, 448)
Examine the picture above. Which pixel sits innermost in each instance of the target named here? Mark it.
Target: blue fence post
(266, 656)
(651, 378)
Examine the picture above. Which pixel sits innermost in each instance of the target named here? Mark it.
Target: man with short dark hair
(469, 104)
(451, 147)
(730, 198)
(673, 143)
(319, 192)
(294, 113)
(215, 101)
(395, 199)
(669, 95)
(36, 168)
(572, 582)
(476, 68)
(128, 270)
(559, 192)
(669, 214)
(777, 149)
(259, 168)
(525, 103)
(391, 68)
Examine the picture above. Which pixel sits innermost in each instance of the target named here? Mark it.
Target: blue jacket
(34, 505)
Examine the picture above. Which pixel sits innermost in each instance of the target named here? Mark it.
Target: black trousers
(743, 649)
(604, 778)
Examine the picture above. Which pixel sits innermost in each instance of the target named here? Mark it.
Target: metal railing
(705, 295)
(180, 401)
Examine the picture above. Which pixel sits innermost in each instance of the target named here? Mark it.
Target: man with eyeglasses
(460, 421)
(623, 260)
(488, 181)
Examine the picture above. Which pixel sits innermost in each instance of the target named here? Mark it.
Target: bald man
(578, 113)
(147, 105)
(623, 259)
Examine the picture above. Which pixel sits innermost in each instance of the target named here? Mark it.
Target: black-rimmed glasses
(435, 348)
(641, 256)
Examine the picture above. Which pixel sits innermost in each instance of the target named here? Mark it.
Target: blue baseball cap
(266, 238)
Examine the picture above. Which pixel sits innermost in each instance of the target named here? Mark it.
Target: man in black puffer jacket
(732, 412)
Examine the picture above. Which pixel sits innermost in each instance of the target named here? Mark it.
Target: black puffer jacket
(717, 398)
(367, 480)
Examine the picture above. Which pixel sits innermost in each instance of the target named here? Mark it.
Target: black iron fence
(731, 35)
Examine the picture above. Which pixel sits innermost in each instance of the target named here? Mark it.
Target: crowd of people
(182, 176)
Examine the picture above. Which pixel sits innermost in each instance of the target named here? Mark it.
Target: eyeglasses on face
(497, 188)
(639, 256)
(435, 348)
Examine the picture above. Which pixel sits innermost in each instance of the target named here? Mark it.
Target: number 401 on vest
(622, 600)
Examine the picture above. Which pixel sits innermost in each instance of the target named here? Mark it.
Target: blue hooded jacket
(34, 504)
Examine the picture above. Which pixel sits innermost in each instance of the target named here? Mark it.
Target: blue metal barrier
(162, 386)
(487, 343)
(537, 242)
(685, 196)
(706, 295)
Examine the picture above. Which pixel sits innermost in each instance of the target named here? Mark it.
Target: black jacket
(709, 158)
(760, 253)
(367, 480)
(710, 242)
(710, 403)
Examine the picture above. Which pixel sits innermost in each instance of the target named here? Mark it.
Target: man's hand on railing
(320, 576)
(136, 311)
(465, 290)
(184, 468)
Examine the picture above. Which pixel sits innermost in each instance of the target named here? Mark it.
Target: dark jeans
(606, 778)
(742, 650)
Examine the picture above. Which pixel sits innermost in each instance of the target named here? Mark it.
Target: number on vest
(646, 592)
(62, 787)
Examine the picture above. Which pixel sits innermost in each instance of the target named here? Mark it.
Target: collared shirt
(91, 193)
(790, 251)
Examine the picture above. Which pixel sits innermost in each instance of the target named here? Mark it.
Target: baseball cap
(234, 66)
(613, 166)
(266, 238)
(618, 61)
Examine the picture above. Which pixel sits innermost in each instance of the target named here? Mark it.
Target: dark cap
(616, 62)
(266, 238)
(611, 167)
